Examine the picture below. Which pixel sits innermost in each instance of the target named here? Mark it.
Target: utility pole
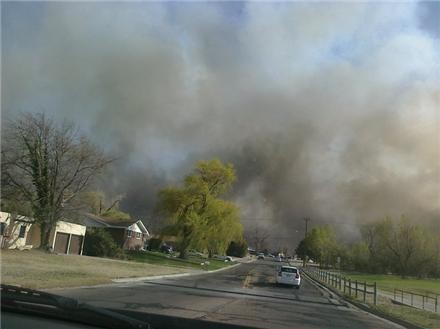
(306, 219)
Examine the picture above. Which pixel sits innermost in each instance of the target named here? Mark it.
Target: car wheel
(297, 287)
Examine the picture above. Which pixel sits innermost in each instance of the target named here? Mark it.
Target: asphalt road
(245, 295)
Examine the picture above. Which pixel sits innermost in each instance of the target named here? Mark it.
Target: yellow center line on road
(247, 283)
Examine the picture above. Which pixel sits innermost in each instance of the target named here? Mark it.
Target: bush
(99, 242)
(154, 244)
(237, 249)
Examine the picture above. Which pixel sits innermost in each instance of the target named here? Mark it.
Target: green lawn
(39, 270)
(389, 282)
(158, 258)
(421, 318)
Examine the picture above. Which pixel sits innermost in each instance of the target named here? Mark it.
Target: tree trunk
(186, 241)
(184, 246)
(44, 236)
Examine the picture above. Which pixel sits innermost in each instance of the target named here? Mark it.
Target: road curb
(165, 276)
(362, 306)
(116, 282)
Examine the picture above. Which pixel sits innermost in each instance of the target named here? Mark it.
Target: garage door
(61, 241)
(75, 244)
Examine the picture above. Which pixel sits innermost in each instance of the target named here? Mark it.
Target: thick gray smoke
(329, 111)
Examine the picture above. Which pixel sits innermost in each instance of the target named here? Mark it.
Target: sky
(326, 110)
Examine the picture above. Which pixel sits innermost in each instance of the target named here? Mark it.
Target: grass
(421, 318)
(40, 270)
(424, 319)
(152, 257)
(389, 282)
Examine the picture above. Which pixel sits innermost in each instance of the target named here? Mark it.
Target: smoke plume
(329, 111)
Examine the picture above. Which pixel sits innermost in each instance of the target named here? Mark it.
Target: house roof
(92, 220)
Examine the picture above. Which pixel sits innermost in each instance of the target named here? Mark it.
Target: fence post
(436, 303)
(412, 299)
(340, 281)
(394, 293)
(356, 286)
(375, 293)
(349, 287)
(345, 283)
(365, 290)
(402, 296)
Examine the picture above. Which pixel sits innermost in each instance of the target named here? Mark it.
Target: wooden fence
(352, 288)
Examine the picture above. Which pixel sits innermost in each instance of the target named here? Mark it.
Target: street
(244, 295)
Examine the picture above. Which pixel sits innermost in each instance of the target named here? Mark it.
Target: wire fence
(423, 301)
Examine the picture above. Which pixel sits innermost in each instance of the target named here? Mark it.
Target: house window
(129, 233)
(2, 228)
(138, 235)
(22, 231)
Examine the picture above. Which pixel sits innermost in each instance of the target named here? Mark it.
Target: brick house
(129, 235)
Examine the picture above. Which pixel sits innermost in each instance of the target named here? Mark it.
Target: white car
(288, 275)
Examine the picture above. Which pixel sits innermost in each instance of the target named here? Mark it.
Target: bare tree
(47, 165)
(259, 238)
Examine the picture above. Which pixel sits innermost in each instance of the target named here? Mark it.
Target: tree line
(397, 246)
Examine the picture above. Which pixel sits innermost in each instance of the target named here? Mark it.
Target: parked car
(260, 256)
(288, 275)
(228, 259)
(166, 249)
(193, 252)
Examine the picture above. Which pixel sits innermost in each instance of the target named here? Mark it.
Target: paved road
(244, 295)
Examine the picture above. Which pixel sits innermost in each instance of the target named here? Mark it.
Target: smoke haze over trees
(325, 110)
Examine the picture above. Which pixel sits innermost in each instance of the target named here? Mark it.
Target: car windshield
(267, 164)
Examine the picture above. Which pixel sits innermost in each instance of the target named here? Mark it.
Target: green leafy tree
(195, 212)
(97, 203)
(116, 214)
(237, 248)
(320, 245)
(303, 249)
(91, 201)
(399, 246)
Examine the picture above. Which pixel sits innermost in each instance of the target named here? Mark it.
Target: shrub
(99, 242)
(237, 249)
(154, 244)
